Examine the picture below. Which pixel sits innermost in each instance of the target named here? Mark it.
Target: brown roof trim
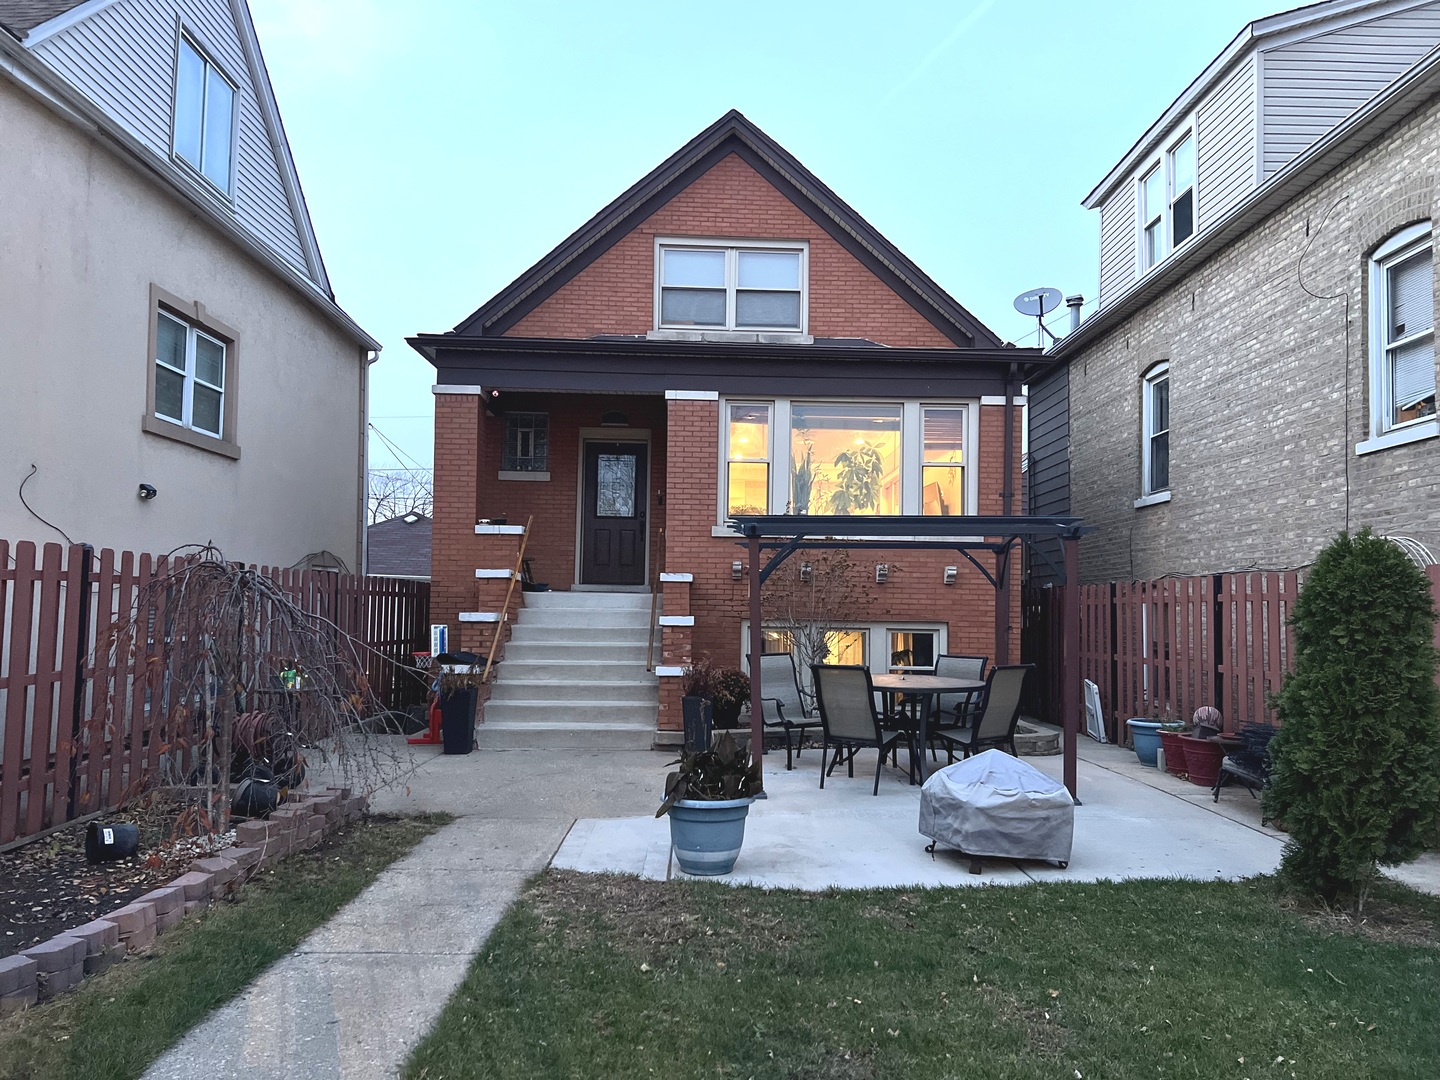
(732, 133)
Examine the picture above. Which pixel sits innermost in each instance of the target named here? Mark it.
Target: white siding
(123, 57)
(1225, 143)
(1310, 86)
(1118, 238)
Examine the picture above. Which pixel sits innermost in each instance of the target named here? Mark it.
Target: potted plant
(1202, 758)
(697, 689)
(730, 690)
(707, 799)
(1170, 732)
(1145, 737)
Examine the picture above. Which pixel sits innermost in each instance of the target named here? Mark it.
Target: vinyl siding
(1048, 477)
(1225, 143)
(1117, 243)
(1310, 86)
(123, 59)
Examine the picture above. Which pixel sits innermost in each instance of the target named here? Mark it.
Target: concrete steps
(574, 676)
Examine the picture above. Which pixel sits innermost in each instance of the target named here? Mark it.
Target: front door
(612, 520)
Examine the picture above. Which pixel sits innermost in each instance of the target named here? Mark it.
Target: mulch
(48, 887)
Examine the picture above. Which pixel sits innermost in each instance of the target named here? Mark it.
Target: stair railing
(505, 608)
(655, 602)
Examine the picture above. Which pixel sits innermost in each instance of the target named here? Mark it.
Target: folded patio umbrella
(996, 805)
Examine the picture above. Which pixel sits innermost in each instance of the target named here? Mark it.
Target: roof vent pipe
(1074, 303)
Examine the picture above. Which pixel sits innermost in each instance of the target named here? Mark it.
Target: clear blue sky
(446, 145)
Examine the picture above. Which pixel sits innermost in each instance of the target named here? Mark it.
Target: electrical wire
(400, 455)
(33, 470)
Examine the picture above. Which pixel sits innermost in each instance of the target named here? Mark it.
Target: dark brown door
(612, 544)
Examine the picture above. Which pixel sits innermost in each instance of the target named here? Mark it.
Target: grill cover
(994, 804)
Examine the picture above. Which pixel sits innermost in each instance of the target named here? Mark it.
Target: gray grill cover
(994, 804)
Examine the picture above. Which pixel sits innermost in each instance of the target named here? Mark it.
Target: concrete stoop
(574, 676)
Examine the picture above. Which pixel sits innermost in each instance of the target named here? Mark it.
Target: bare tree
(393, 493)
(811, 597)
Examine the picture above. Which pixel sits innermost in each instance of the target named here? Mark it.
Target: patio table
(892, 686)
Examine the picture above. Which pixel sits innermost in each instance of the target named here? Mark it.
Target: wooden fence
(1172, 645)
(57, 603)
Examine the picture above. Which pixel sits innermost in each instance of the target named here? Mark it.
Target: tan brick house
(726, 337)
(1260, 373)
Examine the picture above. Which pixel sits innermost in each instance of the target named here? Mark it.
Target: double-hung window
(1155, 426)
(1167, 202)
(747, 464)
(1402, 331)
(204, 115)
(704, 285)
(189, 376)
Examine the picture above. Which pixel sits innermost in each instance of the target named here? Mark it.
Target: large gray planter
(707, 835)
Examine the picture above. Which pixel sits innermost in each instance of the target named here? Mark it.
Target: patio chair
(783, 706)
(996, 718)
(958, 710)
(1250, 766)
(846, 700)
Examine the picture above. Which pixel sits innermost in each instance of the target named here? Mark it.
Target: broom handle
(505, 608)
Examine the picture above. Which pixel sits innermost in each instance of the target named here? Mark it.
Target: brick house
(1260, 373)
(726, 323)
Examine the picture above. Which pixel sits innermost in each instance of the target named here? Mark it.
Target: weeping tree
(1356, 776)
(219, 658)
(810, 605)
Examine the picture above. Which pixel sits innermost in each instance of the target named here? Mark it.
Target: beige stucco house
(174, 366)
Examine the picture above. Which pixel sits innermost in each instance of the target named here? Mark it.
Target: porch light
(737, 570)
(806, 571)
(615, 419)
(951, 573)
(882, 573)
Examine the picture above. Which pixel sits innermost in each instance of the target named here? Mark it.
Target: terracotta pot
(1203, 757)
(1174, 753)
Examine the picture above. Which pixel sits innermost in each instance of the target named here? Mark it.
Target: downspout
(362, 539)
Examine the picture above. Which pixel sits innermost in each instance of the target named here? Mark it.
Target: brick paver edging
(55, 966)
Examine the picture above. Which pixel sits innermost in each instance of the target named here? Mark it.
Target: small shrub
(1356, 775)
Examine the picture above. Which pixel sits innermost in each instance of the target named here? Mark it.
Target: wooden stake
(505, 608)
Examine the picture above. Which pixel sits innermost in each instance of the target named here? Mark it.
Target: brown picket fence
(1169, 646)
(56, 606)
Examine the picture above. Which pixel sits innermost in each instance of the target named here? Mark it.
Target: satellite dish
(1038, 302)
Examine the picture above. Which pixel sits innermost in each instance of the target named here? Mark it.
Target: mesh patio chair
(783, 707)
(846, 700)
(996, 718)
(1251, 765)
(958, 710)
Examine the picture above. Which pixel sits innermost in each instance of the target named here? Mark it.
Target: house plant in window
(707, 799)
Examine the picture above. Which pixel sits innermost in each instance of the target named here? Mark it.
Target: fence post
(1118, 730)
(1217, 629)
(82, 642)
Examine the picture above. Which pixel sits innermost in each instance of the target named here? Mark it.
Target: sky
(445, 146)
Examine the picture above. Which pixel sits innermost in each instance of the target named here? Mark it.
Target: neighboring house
(722, 338)
(1260, 373)
(399, 547)
(176, 367)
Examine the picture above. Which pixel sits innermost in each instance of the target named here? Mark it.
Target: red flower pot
(1175, 763)
(1203, 757)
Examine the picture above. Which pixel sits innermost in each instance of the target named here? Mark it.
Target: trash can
(699, 726)
(457, 720)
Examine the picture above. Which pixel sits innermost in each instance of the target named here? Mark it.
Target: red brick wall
(615, 293)
(459, 430)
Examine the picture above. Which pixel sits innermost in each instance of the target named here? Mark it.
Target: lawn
(596, 976)
(115, 1025)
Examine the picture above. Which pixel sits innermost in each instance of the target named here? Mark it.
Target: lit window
(710, 287)
(912, 650)
(189, 376)
(1402, 330)
(942, 474)
(204, 115)
(747, 467)
(846, 458)
(527, 443)
(1155, 423)
(1167, 202)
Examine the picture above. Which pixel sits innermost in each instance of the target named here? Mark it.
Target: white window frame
(726, 459)
(1383, 432)
(1146, 216)
(877, 661)
(911, 450)
(1149, 493)
(184, 39)
(192, 334)
(732, 250)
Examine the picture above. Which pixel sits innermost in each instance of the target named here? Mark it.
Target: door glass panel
(615, 486)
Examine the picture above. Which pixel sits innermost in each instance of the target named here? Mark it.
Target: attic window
(1167, 201)
(721, 285)
(204, 115)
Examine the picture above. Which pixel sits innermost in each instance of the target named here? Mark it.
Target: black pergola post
(757, 717)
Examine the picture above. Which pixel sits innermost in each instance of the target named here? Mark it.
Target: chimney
(1074, 303)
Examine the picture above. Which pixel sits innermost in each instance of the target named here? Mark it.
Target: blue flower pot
(1145, 734)
(707, 836)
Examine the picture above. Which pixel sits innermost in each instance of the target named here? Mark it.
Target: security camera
(148, 492)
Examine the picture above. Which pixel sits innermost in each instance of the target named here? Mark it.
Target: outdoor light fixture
(951, 573)
(614, 419)
(737, 570)
(806, 571)
(148, 492)
(882, 573)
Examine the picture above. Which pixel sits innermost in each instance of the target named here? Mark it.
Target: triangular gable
(731, 134)
(120, 55)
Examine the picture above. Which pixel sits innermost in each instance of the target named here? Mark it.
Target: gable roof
(1294, 24)
(399, 546)
(732, 133)
(21, 16)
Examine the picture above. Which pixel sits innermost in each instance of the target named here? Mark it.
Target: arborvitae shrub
(1356, 777)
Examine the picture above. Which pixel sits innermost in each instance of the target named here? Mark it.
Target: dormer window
(722, 285)
(1167, 202)
(204, 115)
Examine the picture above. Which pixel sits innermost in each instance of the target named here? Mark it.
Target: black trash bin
(457, 720)
(699, 726)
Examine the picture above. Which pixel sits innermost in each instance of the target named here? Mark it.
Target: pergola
(780, 536)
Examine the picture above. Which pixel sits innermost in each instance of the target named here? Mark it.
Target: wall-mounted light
(148, 492)
(806, 571)
(737, 570)
(614, 419)
(882, 573)
(951, 573)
